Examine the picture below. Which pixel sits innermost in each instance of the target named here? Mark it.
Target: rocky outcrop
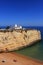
(16, 39)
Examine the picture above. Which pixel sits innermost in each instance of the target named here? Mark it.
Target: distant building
(17, 27)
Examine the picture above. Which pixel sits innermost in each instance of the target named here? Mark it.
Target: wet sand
(17, 59)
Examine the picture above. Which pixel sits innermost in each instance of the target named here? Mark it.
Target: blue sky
(22, 12)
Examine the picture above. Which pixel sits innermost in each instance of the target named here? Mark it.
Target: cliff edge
(16, 39)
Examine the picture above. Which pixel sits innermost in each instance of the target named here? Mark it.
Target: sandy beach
(17, 59)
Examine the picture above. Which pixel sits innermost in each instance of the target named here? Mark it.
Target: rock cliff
(16, 39)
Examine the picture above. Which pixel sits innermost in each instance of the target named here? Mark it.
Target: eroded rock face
(17, 39)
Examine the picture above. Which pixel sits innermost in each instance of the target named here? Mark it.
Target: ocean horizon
(28, 27)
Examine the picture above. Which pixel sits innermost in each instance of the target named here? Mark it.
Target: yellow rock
(15, 40)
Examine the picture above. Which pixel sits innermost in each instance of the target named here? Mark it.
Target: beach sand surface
(13, 58)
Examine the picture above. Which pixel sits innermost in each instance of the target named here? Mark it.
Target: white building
(17, 27)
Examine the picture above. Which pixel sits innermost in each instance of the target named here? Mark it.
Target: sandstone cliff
(16, 39)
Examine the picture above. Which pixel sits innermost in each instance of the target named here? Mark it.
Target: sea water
(36, 50)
